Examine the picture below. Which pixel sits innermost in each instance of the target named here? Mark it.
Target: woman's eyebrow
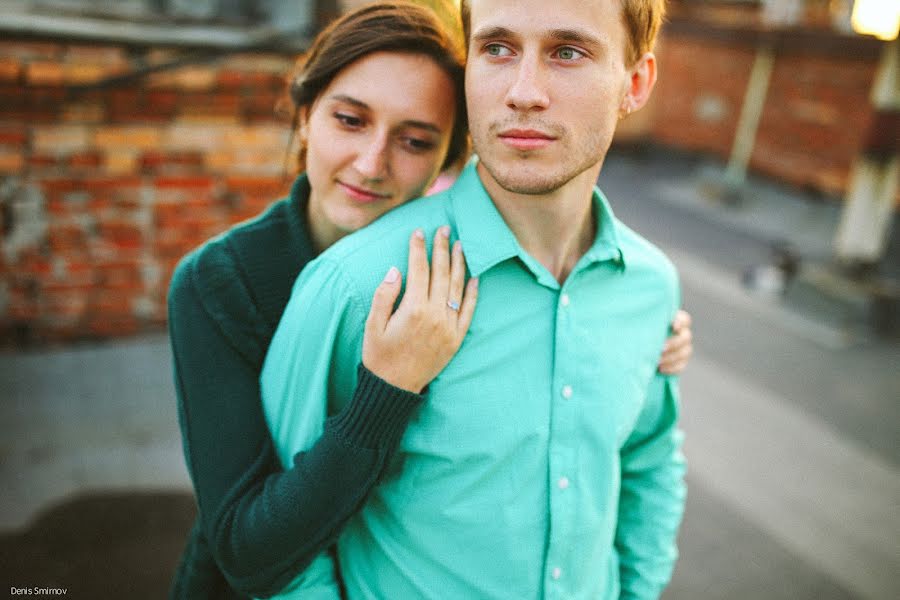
(350, 100)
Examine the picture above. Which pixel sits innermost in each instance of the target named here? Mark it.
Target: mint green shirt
(545, 462)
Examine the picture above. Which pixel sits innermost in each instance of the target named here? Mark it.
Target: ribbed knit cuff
(377, 415)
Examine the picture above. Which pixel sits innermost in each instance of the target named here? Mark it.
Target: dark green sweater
(259, 526)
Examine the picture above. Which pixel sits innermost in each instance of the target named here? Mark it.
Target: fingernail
(457, 246)
(445, 231)
(392, 275)
(419, 234)
(474, 283)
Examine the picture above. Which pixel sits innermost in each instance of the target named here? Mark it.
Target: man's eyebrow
(492, 33)
(407, 123)
(577, 36)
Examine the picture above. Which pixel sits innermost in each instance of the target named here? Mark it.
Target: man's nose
(529, 88)
(372, 160)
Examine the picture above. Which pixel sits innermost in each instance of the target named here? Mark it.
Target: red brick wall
(699, 93)
(103, 193)
(816, 113)
(815, 119)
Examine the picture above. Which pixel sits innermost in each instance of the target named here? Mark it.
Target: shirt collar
(487, 240)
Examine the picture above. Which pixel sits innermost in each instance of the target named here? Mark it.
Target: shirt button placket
(563, 503)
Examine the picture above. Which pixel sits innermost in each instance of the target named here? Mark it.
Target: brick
(13, 135)
(121, 233)
(44, 73)
(65, 238)
(121, 162)
(83, 73)
(59, 138)
(159, 104)
(43, 161)
(127, 137)
(120, 275)
(189, 136)
(195, 78)
(30, 50)
(10, 70)
(65, 304)
(258, 186)
(85, 160)
(107, 326)
(250, 62)
(83, 112)
(195, 183)
(106, 55)
(12, 160)
(155, 162)
(266, 137)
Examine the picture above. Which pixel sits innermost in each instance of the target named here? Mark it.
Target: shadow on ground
(105, 545)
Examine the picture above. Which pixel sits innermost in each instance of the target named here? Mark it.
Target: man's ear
(641, 79)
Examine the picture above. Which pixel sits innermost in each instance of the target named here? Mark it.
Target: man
(545, 461)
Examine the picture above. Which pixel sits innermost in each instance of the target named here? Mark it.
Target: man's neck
(557, 228)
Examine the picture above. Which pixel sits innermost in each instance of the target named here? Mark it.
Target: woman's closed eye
(417, 144)
(349, 120)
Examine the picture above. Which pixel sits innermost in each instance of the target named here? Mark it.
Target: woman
(380, 91)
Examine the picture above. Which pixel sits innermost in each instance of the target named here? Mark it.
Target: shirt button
(564, 299)
(567, 391)
(563, 483)
(556, 573)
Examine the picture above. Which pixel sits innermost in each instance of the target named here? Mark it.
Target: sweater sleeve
(264, 526)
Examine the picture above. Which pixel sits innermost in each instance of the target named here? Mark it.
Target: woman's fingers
(457, 274)
(417, 272)
(682, 319)
(467, 309)
(440, 266)
(383, 301)
(679, 346)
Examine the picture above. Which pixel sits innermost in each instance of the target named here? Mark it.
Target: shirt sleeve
(264, 525)
(652, 496)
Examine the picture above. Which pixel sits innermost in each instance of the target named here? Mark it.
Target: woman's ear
(302, 125)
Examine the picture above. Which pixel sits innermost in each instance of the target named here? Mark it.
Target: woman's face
(375, 138)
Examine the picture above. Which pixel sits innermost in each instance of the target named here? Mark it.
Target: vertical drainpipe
(865, 223)
(748, 122)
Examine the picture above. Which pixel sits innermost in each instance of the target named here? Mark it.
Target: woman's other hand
(411, 346)
(679, 347)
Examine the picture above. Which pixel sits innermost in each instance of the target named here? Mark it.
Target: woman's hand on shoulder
(411, 346)
(679, 347)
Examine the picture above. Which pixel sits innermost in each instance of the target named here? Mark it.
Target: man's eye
(348, 120)
(497, 50)
(567, 53)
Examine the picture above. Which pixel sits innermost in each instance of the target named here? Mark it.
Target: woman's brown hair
(382, 27)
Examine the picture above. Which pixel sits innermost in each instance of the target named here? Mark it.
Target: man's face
(545, 82)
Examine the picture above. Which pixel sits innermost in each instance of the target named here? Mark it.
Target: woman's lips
(526, 139)
(362, 194)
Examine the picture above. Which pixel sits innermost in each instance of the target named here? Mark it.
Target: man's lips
(362, 194)
(526, 139)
